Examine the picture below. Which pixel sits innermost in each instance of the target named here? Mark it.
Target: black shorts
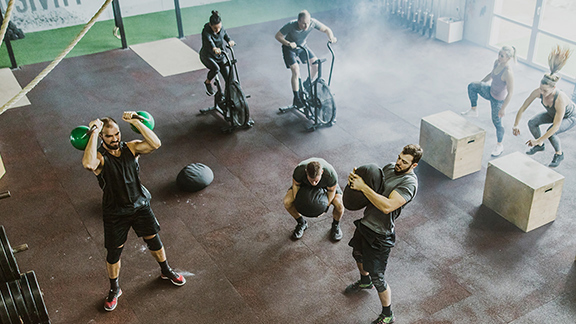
(295, 55)
(370, 249)
(116, 227)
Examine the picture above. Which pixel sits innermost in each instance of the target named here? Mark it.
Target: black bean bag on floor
(374, 178)
(194, 177)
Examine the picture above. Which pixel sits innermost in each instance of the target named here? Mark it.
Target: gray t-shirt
(293, 34)
(329, 177)
(406, 185)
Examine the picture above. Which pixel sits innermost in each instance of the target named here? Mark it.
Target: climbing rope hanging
(6, 21)
(54, 63)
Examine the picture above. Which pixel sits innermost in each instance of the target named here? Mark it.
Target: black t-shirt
(122, 191)
(211, 40)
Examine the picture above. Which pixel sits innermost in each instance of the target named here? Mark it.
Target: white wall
(37, 15)
(477, 21)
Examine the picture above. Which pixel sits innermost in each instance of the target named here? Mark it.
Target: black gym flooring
(455, 261)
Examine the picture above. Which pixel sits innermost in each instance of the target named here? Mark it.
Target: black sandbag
(373, 176)
(194, 177)
(311, 201)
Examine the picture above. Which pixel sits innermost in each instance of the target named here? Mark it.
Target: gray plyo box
(523, 191)
(452, 144)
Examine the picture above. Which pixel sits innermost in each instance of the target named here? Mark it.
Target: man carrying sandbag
(375, 234)
(314, 189)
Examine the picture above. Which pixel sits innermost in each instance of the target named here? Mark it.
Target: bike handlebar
(308, 59)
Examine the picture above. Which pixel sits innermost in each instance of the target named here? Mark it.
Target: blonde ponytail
(556, 61)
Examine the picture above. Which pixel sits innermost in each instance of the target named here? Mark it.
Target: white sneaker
(470, 112)
(498, 149)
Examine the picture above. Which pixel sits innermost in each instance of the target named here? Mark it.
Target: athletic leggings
(545, 118)
(215, 66)
(483, 89)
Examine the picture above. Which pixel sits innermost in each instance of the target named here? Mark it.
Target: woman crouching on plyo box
(559, 109)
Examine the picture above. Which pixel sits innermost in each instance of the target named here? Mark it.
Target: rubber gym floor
(455, 261)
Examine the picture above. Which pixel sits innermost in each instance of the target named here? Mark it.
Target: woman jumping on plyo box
(499, 92)
(214, 38)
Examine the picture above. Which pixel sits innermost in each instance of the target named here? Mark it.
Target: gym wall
(38, 15)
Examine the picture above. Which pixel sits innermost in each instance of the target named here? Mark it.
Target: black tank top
(120, 182)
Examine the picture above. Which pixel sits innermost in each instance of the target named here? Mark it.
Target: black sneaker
(209, 89)
(556, 160)
(383, 319)
(112, 300)
(299, 230)
(357, 286)
(336, 233)
(176, 278)
(535, 149)
(297, 102)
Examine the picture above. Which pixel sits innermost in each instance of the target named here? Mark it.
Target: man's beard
(112, 146)
(401, 171)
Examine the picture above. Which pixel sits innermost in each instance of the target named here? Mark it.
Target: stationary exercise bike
(231, 103)
(318, 101)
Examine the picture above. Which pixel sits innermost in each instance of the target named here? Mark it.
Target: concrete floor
(456, 261)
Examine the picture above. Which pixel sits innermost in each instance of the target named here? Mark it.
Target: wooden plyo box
(2, 169)
(523, 191)
(451, 144)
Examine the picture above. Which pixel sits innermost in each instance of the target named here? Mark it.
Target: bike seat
(318, 61)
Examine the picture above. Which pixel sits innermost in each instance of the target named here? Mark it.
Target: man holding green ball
(126, 202)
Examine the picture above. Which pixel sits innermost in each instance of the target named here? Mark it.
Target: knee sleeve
(154, 244)
(379, 282)
(114, 255)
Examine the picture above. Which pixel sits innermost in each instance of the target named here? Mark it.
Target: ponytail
(556, 61)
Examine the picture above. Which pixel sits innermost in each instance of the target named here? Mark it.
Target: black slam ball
(194, 177)
(373, 176)
(311, 201)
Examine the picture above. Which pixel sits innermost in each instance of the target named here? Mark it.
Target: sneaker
(299, 230)
(383, 319)
(535, 149)
(297, 102)
(175, 277)
(470, 112)
(556, 160)
(336, 232)
(498, 149)
(357, 286)
(111, 301)
(209, 89)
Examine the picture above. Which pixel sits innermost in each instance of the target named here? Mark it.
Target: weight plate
(29, 299)
(4, 317)
(37, 294)
(3, 264)
(18, 300)
(9, 265)
(9, 303)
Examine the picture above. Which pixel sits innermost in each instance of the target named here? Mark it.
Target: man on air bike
(292, 35)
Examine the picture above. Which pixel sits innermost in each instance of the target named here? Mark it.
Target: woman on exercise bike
(214, 38)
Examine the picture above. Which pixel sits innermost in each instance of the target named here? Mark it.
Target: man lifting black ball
(315, 172)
